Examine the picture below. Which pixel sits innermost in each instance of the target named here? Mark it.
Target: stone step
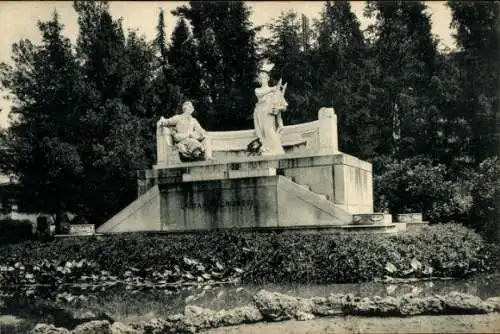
(239, 174)
(391, 228)
(413, 226)
(371, 219)
(187, 177)
(409, 217)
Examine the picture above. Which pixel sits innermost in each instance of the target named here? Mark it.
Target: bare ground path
(488, 323)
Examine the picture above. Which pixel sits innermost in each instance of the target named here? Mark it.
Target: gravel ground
(489, 323)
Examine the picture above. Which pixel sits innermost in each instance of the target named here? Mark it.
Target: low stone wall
(273, 306)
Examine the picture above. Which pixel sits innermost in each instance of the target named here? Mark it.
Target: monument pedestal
(287, 191)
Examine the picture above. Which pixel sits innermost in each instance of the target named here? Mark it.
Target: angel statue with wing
(267, 118)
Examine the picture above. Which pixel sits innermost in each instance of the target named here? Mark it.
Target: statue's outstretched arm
(172, 121)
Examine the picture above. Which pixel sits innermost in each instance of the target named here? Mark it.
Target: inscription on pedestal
(246, 204)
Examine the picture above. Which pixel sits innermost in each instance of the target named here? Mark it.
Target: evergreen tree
(343, 77)
(167, 89)
(161, 40)
(294, 65)
(227, 55)
(111, 145)
(42, 149)
(405, 52)
(183, 59)
(477, 25)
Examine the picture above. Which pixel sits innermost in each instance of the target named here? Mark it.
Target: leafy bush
(441, 251)
(417, 184)
(486, 194)
(12, 231)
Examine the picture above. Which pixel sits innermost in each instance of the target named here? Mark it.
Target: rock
(121, 328)
(461, 303)
(153, 326)
(420, 306)
(175, 317)
(236, 316)
(494, 302)
(320, 306)
(198, 317)
(49, 329)
(374, 307)
(303, 316)
(93, 327)
(277, 306)
(339, 303)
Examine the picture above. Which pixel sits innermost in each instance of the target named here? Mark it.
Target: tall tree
(42, 149)
(343, 77)
(478, 27)
(167, 89)
(293, 64)
(228, 59)
(161, 40)
(405, 52)
(111, 145)
(183, 58)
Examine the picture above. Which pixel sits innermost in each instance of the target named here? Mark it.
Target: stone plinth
(295, 190)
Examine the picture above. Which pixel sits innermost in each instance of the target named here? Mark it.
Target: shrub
(12, 231)
(441, 250)
(416, 184)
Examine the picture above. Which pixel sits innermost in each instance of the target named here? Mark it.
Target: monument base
(328, 192)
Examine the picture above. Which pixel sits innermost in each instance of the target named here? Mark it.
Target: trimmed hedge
(447, 250)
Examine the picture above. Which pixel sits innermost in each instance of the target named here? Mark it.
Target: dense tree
(167, 91)
(293, 64)
(41, 149)
(405, 52)
(183, 58)
(343, 77)
(228, 60)
(478, 26)
(116, 73)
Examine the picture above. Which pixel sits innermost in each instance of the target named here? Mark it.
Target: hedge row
(447, 250)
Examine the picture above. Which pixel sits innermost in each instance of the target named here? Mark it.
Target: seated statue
(189, 137)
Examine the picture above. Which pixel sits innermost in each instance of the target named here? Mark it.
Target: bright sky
(18, 20)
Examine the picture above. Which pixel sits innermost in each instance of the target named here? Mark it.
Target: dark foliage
(15, 231)
(447, 250)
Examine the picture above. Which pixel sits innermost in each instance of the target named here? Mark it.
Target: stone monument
(268, 122)
(208, 180)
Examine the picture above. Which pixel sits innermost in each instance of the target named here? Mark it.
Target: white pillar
(163, 140)
(328, 138)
